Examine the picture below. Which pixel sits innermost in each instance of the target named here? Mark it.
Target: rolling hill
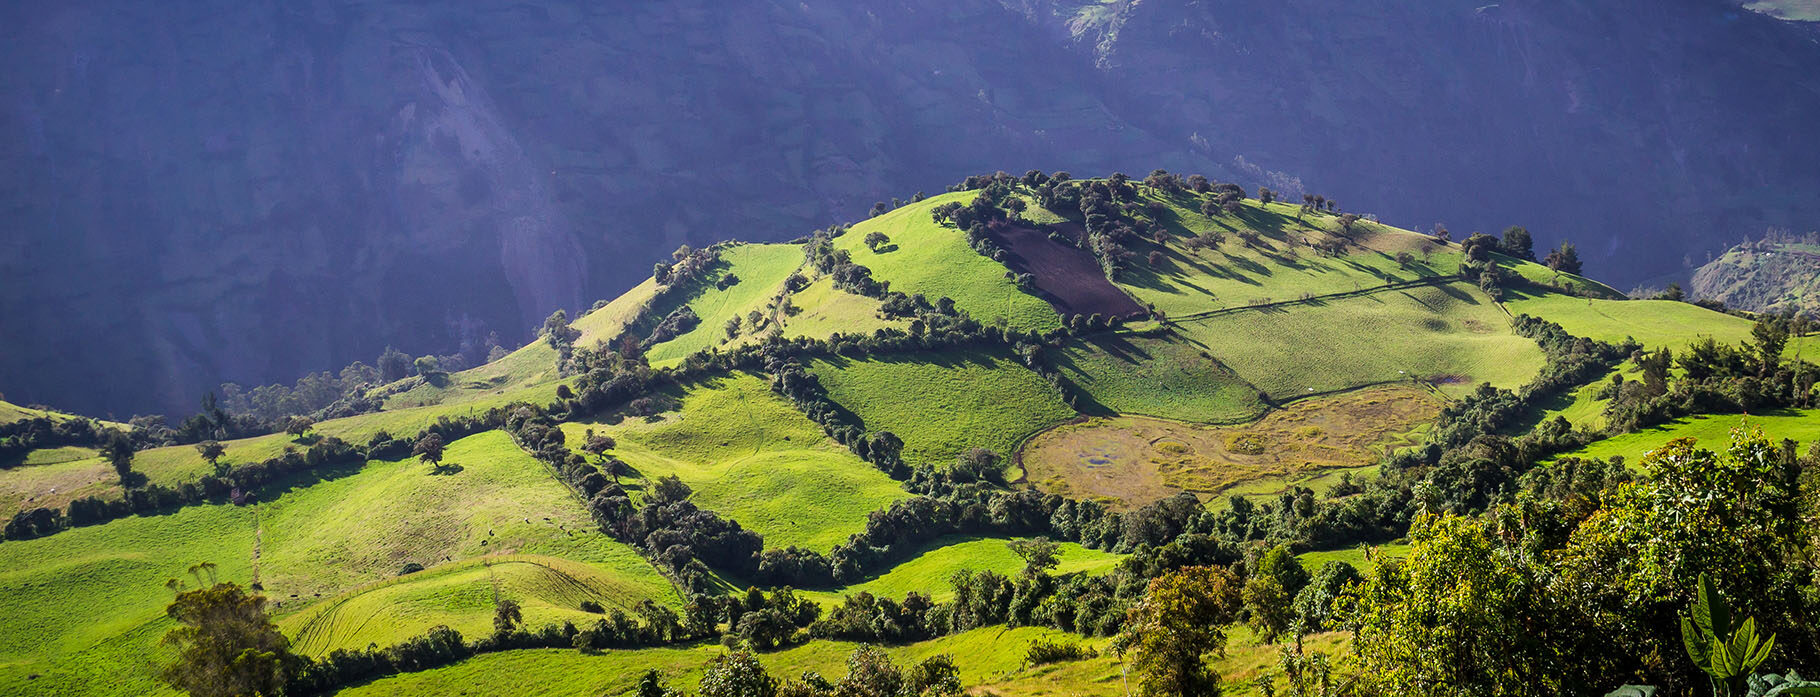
(1187, 376)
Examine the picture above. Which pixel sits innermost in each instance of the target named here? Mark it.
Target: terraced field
(760, 270)
(934, 260)
(942, 404)
(1126, 462)
(749, 455)
(928, 572)
(463, 596)
(1450, 335)
(1162, 374)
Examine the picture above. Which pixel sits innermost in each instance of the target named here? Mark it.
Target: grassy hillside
(1801, 425)
(365, 527)
(750, 456)
(942, 404)
(928, 572)
(990, 658)
(934, 260)
(53, 478)
(1451, 335)
(87, 605)
(533, 364)
(761, 270)
(463, 595)
(1655, 323)
(826, 310)
(1281, 265)
(1165, 375)
(96, 593)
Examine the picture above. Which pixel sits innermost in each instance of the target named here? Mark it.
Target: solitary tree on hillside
(299, 425)
(429, 450)
(597, 444)
(226, 645)
(119, 453)
(425, 365)
(506, 616)
(1040, 554)
(1516, 242)
(1564, 258)
(394, 365)
(876, 239)
(211, 452)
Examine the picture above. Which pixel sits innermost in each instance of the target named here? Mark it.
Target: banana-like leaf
(1711, 613)
(1699, 645)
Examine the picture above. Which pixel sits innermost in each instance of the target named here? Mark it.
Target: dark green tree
(119, 452)
(429, 450)
(1516, 243)
(226, 645)
(394, 365)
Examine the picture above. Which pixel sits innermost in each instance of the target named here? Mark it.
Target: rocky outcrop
(1764, 276)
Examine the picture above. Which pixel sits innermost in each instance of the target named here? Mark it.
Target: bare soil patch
(1128, 461)
(1065, 275)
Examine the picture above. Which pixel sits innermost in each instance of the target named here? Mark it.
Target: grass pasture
(990, 659)
(928, 572)
(943, 404)
(461, 595)
(1165, 375)
(1712, 431)
(750, 456)
(533, 364)
(934, 260)
(1450, 335)
(53, 478)
(1280, 266)
(87, 605)
(1654, 323)
(761, 270)
(1364, 557)
(1127, 462)
(339, 534)
(826, 310)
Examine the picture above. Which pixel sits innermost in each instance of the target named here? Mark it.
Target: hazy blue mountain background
(249, 190)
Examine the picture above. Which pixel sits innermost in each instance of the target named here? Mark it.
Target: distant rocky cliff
(197, 191)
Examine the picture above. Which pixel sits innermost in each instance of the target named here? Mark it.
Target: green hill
(1297, 371)
(752, 457)
(934, 260)
(943, 404)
